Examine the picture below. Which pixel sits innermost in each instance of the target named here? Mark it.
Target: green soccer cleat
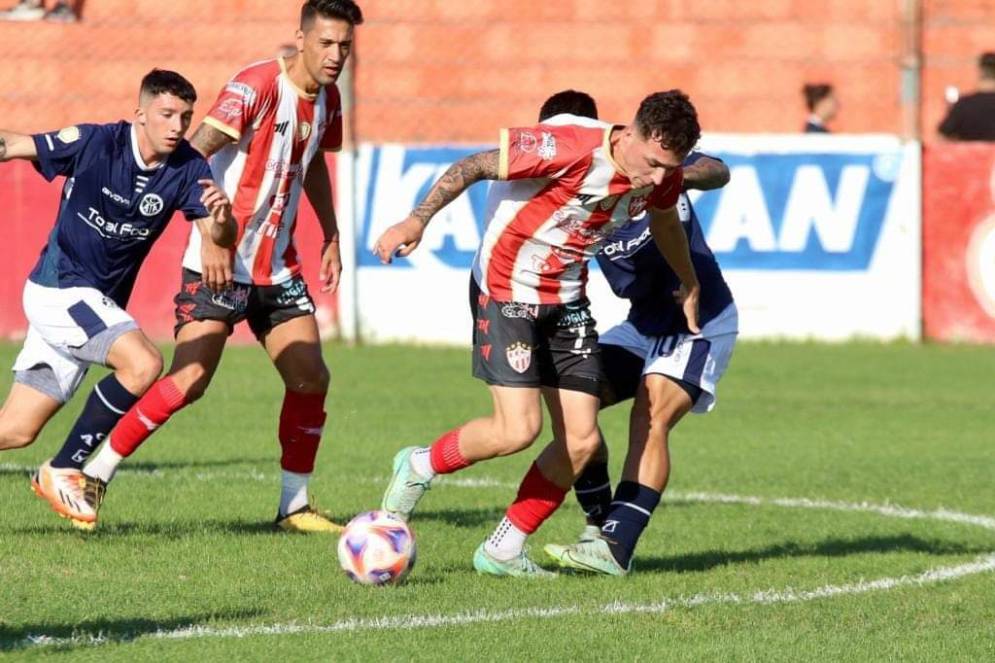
(592, 556)
(516, 567)
(556, 550)
(406, 486)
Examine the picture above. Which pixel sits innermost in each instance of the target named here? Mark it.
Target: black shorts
(535, 345)
(264, 306)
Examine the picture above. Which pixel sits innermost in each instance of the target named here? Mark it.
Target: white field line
(408, 622)
(982, 564)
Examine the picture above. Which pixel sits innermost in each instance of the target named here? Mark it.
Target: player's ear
(299, 40)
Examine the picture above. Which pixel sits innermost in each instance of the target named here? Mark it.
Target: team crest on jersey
(519, 356)
(636, 206)
(151, 205)
(69, 135)
(548, 148)
(305, 130)
(527, 142)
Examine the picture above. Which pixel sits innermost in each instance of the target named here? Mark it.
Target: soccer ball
(377, 548)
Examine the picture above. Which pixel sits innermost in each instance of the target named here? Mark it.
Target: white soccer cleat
(65, 491)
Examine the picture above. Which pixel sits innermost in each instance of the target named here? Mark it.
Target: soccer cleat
(307, 520)
(590, 533)
(64, 489)
(23, 11)
(516, 567)
(593, 556)
(406, 486)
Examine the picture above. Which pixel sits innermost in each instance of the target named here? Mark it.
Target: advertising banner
(959, 242)
(818, 237)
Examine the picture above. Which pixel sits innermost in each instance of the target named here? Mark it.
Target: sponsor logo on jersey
(518, 310)
(626, 247)
(548, 148)
(119, 199)
(113, 229)
(242, 90)
(150, 205)
(519, 355)
(229, 109)
(69, 135)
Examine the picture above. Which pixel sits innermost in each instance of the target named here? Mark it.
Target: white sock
(421, 462)
(104, 463)
(293, 495)
(506, 542)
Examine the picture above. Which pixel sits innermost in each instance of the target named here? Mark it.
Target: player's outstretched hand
(331, 266)
(400, 240)
(687, 298)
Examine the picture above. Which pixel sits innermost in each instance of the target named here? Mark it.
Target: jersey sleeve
(666, 194)
(238, 105)
(540, 151)
(63, 152)
(331, 140)
(190, 203)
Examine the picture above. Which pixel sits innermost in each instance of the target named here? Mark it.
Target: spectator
(972, 117)
(64, 11)
(822, 107)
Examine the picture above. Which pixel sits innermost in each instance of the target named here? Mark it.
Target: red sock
(152, 410)
(445, 454)
(301, 421)
(537, 499)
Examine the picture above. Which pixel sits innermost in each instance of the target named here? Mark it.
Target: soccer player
(123, 183)
(656, 359)
(265, 135)
(534, 334)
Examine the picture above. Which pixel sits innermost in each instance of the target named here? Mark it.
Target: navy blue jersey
(113, 206)
(637, 271)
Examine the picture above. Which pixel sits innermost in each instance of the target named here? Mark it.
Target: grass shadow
(460, 517)
(710, 559)
(29, 636)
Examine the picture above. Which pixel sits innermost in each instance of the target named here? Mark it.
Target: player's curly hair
(163, 81)
(345, 10)
(815, 92)
(670, 119)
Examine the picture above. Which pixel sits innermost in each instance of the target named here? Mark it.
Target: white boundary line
(981, 564)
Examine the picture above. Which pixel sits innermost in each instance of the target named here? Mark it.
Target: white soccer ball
(377, 548)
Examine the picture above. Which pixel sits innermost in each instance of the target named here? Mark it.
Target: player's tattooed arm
(403, 238)
(456, 180)
(207, 140)
(16, 146)
(706, 174)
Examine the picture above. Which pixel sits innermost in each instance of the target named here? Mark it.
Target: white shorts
(699, 359)
(68, 330)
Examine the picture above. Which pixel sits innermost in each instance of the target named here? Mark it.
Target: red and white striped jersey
(278, 128)
(541, 231)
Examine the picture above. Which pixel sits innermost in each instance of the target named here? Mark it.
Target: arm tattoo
(463, 173)
(706, 174)
(207, 140)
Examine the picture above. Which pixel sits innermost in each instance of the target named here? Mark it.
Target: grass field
(861, 458)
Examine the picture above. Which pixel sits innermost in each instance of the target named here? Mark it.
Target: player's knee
(142, 371)
(191, 380)
(315, 381)
(520, 433)
(15, 438)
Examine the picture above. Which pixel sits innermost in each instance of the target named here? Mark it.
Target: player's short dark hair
(162, 81)
(670, 119)
(815, 92)
(987, 64)
(569, 101)
(344, 10)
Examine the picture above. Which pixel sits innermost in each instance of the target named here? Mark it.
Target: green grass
(185, 539)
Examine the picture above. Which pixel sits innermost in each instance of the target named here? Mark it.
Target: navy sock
(630, 513)
(107, 403)
(594, 492)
